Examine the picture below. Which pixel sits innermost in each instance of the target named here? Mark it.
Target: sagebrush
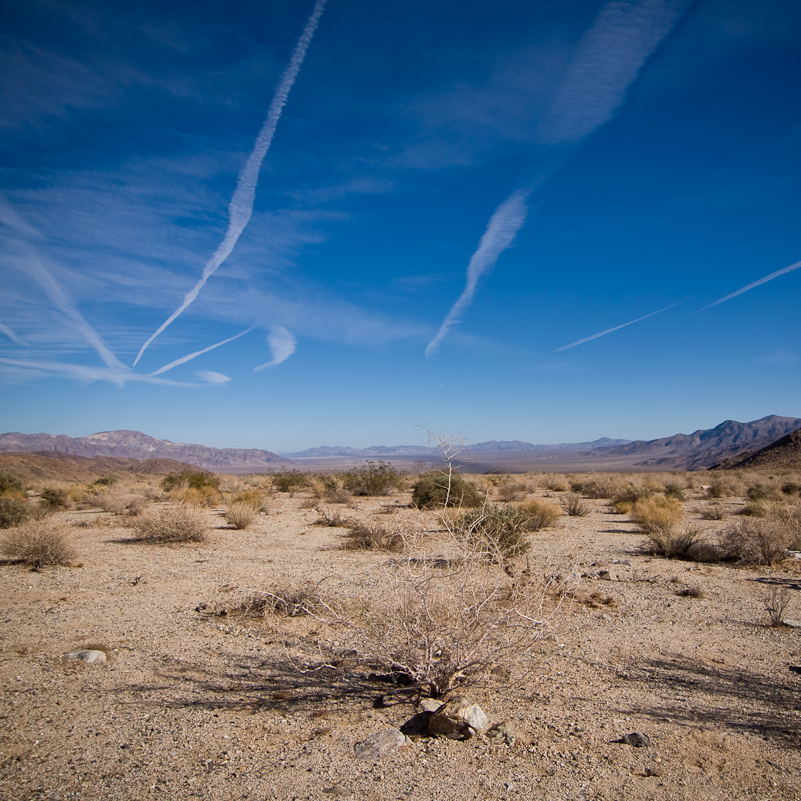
(178, 523)
(39, 543)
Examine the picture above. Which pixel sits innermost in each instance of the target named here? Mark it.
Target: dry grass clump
(510, 491)
(715, 511)
(555, 482)
(726, 486)
(331, 518)
(371, 536)
(329, 488)
(541, 513)
(288, 600)
(206, 497)
(241, 514)
(658, 517)
(575, 506)
(179, 523)
(600, 485)
(252, 496)
(118, 502)
(39, 543)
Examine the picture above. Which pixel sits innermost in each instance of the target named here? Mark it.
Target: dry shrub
(331, 518)
(371, 536)
(776, 601)
(286, 600)
(442, 487)
(726, 486)
(715, 511)
(541, 514)
(555, 482)
(691, 592)
(251, 496)
(118, 502)
(179, 523)
(511, 491)
(658, 518)
(39, 543)
(600, 485)
(241, 514)
(760, 507)
(206, 496)
(575, 506)
(762, 541)
(444, 629)
(496, 532)
(13, 511)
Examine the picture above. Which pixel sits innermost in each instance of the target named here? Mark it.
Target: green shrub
(675, 491)
(540, 513)
(188, 479)
(13, 511)
(11, 483)
(179, 523)
(39, 543)
(288, 480)
(436, 489)
(54, 498)
(498, 532)
(373, 479)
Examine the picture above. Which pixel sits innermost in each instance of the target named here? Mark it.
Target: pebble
(90, 657)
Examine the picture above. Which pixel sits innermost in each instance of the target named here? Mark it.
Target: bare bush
(39, 543)
(714, 511)
(555, 482)
(179, 523)
(776, 601)
(371, 536)
(332, 518)
(510, 491)
(759, 541)
(575, 506)
(658, 518)
(541, 513)
(295, 599)
(241, 514)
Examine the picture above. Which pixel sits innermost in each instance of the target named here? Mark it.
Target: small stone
(609, 575)
(458, 719)
(338, 791)
(380, 744)
(504, 731)
(90, 657)
(793, 623)
(429, 704)
(636, 738)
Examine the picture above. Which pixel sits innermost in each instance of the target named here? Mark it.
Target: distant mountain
(706, 447)
(136, 445)
(784, 454)
(428, 452)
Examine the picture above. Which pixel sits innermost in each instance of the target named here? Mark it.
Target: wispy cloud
(4, 329)
(612, 330)
(240, 208)
(185, 359)
(501, 231)
(282, 345)
(606, 62)
(755, 284)
(211, 377)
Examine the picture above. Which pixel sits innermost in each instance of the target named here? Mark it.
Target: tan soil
(192, 705)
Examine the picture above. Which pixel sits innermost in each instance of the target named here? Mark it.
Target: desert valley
(171, 632)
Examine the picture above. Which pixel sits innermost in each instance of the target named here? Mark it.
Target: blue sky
(517, 221)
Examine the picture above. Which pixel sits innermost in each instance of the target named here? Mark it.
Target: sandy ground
(193, 705)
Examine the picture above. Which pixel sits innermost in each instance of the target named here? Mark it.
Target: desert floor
(196, 705)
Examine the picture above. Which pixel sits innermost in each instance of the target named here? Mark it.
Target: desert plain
(210, 692)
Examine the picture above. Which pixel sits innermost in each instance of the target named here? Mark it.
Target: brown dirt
(194, 705)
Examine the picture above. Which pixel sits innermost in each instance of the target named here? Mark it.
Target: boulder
(458, 719)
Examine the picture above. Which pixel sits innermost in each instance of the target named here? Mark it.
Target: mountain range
(702, 449)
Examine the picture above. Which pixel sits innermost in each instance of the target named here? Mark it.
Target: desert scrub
(763, 541)
(555, 482)
(192, 479)
(179, 523)
(196, 496)
(371, 536)
(373, 479)
(288, 480)
(13, 511)
(575, 506)
(540, 513)
(240, 514)
(658, 518)
(496, 532)
(440, 488)
(39, 543)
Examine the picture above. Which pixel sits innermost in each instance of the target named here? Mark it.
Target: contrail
(282, 345)
(616, 328)
(608, 59)
(4, 329)
(240, 208)
(501, 231)
(185, 359)
(755, 284)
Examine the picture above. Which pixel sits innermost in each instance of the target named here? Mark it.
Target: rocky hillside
(707, 447)
(136, 445)
(784, 454)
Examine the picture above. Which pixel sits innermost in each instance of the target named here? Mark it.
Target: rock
(380, 744)
(792, 623)
(429, 704)
(636, 738)
(90, 657)
(458, 719)
(504, 731)
(609, 575)
(338, 791)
